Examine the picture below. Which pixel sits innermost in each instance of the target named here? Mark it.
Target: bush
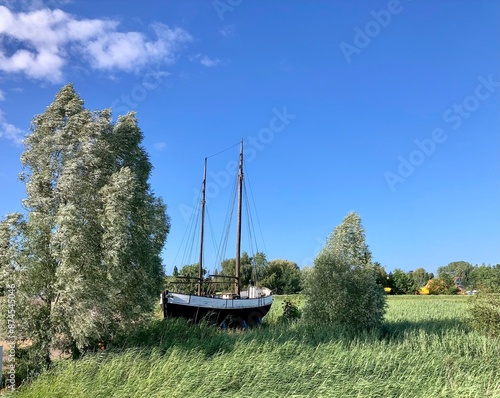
(339, 293)
(485, 314)
(291, 312)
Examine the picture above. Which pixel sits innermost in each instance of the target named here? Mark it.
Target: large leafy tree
(457, 269)
(86, 260)
(282, 276)
(486, 278)
(403, 282)
(421, 277)
(342, 286)
(348, 238)
(186, 280)
(251, 270)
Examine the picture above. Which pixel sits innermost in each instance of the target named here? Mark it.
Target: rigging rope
(187, 258)
(255, 211)
(189, 234)
(224, 150)
(221, 249)
(227, 223)
(212, 234)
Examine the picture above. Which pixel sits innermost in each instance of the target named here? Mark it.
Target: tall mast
(202, 228)
(238, 228)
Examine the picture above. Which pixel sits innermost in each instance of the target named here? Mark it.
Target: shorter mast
(238, 227)
(202, 229)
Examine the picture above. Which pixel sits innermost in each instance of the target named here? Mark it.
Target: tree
(381, 274)
(283, 277)
(348, 238)
(87, 261)
(459, 269)
(342, 287)
(420, 277)
(10, 234)
(186, 280)
(442, 285)
(251, 269)
(403, 282)
(485, 278)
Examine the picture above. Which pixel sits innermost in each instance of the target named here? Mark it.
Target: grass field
(425, 350)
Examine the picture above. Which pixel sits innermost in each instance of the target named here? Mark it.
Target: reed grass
(425, 350)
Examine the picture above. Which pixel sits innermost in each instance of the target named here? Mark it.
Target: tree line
(454, 278)
(281, 276)
(285, 277)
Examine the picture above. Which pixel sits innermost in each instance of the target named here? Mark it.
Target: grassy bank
(425, 351)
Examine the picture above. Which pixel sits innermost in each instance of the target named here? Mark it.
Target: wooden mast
(202, 229)
(238, 227)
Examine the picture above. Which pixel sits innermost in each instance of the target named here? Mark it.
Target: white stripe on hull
(217, 303)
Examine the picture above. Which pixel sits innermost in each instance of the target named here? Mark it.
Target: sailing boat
(238, 307)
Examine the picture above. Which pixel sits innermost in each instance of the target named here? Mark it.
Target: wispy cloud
(42, 41)
(208, 62)
(227, 31)
(205, 60)
(2, 95)
(9, 131)
(160, 146)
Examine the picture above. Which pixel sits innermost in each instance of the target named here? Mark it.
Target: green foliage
(251, 269)
(444, 285)
(291, 312)
(461, 269)
(420, 277)
(339, 294)
(348, 238)
(342, 286)
(86, 257)
(282, 276)
(381, 275)
(403, 282)
(486, 279)
(484, 314)
(186, 280)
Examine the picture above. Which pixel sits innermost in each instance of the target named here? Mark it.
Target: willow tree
(341, 287)
(88, 262)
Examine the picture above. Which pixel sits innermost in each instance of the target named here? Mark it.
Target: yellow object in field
(387, 289)
(424, 290)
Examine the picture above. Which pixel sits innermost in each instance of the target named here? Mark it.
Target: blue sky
(386, 108)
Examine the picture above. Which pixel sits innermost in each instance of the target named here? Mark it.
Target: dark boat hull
(230, 312)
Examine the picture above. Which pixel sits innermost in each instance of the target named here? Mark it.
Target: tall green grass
(425, 350)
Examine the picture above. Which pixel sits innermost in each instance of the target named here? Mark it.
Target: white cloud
(2, 95)
(208, 62)
(10, 132)
(42, 41)
(159, 146)
(227, 31)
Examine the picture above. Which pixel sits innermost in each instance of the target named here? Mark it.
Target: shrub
(341, 294)
(291, 312)
(485, 314)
